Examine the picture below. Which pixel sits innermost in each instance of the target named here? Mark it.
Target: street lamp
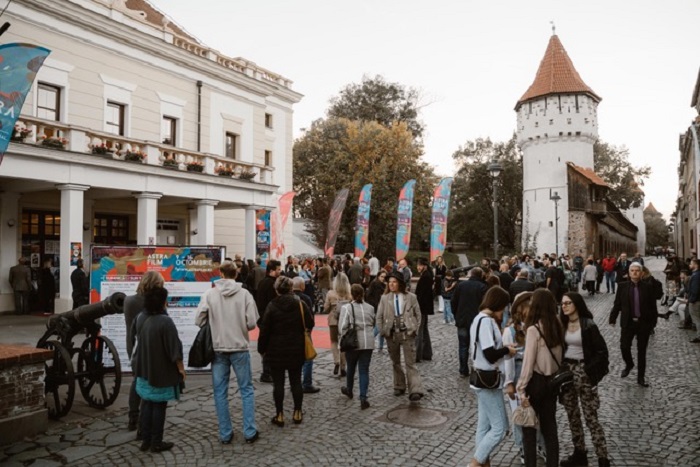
(555, 197)
(495, 169)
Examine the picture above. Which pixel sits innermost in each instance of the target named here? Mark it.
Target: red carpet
(320, 335)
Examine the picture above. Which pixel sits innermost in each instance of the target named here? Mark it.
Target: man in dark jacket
(424, 294)
(307, 369)
(465, 305)
(520, 284)
(622, 269)
(81, 287)
(694, 298)
(21, 283)
(635, 302)
(263, 296)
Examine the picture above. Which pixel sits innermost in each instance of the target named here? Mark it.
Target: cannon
(95, 364)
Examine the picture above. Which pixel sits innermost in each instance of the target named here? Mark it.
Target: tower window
(568, 121)
(559, 97)
(551, 121)
(537, 124)
(576, 97)
(578, 133)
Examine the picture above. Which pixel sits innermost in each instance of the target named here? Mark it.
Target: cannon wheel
(100, 372)
(59, 386)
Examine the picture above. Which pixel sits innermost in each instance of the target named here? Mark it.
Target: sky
(472, 61)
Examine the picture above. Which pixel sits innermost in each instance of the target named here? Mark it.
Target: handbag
(202, 350)
(349, 340)
(309, 350)
(484, 379)
(559, 382)
(525, 417)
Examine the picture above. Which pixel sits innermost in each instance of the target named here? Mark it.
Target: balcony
(57, 135)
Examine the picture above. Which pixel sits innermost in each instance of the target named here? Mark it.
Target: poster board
(188, 271)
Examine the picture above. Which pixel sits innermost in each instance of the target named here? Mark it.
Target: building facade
(137, 134)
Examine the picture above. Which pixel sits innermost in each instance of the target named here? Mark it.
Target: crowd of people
(521, 318)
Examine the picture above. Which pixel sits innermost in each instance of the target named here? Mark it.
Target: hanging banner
(278, 223)
(20, 64)
(334, 220)
(403, 223)
(362, 225)
(441, 206)
(262, 236)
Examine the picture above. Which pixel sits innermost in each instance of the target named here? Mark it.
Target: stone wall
(579, 233)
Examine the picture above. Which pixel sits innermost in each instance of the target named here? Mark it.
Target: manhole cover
(417, 417)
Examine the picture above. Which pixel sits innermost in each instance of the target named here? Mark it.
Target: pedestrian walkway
(656, 426)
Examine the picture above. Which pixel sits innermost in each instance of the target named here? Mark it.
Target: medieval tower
(557, 123)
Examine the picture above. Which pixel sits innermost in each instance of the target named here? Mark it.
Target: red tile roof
(589, 174)
(556, 75)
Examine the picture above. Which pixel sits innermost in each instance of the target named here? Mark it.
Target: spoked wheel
(59, 385)
(100, 372)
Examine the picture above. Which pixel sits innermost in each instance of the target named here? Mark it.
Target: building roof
(651, 209)
(151, 15)
(589, 174)
(556, 75)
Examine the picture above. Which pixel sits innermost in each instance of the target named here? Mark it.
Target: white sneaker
(522, 456)
(542, 453)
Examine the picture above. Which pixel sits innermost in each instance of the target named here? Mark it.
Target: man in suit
(21, 283)
(521, 284)
(465, 306)
(636, 304)
(424, 294)
(622, 269)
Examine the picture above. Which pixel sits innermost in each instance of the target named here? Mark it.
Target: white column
(147, 217)
(88, 206)
(10, 225)
(71, 231)
(249, 233)
(193, 233)
(205, 221)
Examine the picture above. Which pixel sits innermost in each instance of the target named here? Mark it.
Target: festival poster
(278, 223)
(334, 220)
(362, 225)
(188, 273)
(403, 223)
(441, 206)
(262, 236)
(20, 63)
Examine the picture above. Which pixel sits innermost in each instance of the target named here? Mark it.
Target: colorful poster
(20, 64)
(362, 226)
(403, 223)
(262, 235)
(188, 273)
(76, 252)
(334, 220)
(278, 222)
(441, 206)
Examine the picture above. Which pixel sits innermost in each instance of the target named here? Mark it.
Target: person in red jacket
(609, 264)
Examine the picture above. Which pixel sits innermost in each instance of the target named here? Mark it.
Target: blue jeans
(307, 371)
(447, 313)
(353, 359)
(381, 338)
(610, 281)
(492, 424)
(220, 372)
(463, 336)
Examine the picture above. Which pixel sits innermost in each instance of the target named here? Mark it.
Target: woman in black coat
(281, 342)
(47, 287)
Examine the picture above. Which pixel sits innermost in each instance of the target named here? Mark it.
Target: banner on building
(188, 273)
(441, 207)
(403, 223)
(362, 225)
(20, 63)
(279, 222)
(262, 236)
(334, 220)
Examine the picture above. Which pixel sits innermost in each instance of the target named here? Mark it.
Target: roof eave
(590, 94)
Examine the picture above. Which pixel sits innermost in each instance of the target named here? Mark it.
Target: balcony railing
(58, 135)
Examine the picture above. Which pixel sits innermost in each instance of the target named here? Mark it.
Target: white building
(122, 76)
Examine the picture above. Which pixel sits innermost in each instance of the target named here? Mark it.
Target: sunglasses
(566, 303)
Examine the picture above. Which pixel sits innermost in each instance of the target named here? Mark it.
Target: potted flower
(170, 163)
(135, 156)
(20, 133)
(195, 166)
(53, 142)
(247, 174)
(102, 149)
(224, 171)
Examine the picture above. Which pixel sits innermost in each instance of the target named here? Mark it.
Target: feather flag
(403, 223)
(441, 206)
(362, 226)
(279, 221)
(334, 220)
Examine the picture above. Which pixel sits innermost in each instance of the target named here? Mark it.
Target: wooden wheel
(59, 386)
(99, 372)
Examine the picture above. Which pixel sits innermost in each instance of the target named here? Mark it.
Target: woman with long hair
(358, 316)
(586, 355)
(544, 340)
(335, 299)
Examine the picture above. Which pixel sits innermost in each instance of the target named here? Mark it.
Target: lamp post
(555, 197)
(495, 169)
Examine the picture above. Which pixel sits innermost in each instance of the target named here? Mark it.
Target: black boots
(578, 458)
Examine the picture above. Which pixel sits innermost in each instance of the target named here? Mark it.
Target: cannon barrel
(86, 314)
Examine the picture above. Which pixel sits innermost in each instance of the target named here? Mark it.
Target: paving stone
(76, 453)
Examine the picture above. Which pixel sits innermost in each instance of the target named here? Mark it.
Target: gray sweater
(363, 318)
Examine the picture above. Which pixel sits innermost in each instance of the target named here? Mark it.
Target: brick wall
(21, 389)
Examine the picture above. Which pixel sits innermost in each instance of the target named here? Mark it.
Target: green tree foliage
(613, 165)
(657, 230)
(375, 99)
(471, 216)
(339, 153)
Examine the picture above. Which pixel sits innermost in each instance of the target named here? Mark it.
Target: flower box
(102, 150)
(54, 143)
(170, 164)
(19, 134)
(135, 156)
(247, 175)
(225, 173)
(195, 167)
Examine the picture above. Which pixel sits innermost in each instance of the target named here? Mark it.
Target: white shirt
(373, 266)
(574, 345)
(489, 336)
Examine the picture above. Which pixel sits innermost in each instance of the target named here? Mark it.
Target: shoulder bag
(561, 380)
(309, 350)
(484, 379)
(202, 350)
(349, 340)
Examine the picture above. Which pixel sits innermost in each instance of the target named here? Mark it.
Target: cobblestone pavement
(644, 427)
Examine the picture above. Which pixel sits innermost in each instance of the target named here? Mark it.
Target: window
(169, 130)
(111, 230)
(268, 158)
(268, 120)
(231, 145)
(115, 118)
(49, 102)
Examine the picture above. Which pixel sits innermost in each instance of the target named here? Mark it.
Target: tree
(471, 217)
(339, 153)
(657, 230)
(612, 164)
(375, 99)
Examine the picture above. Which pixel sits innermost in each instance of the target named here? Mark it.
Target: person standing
(466, 300)
(336, 298)
(307, 370)
(589, 276)
(259, 274)
(359, 317)
(609, 266)
(21, 283)
(47, 287)
(694, 298)
(406, 271)
(636, 305)
(231, 313)
(440, 270)
(424, 294)
(399, 318)
(80, 285)
(622, 269)
(373, 266)
(448, 286)
(521, 284)
(324, 276)
(586, 355)
(355, 272)
(374, 294)
(264, 295)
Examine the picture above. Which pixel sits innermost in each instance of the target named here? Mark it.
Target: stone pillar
(205, 221)
(10, 226)
(71, 231)
(192, 232)
(249, 233)
(88, 216)
(147, 217)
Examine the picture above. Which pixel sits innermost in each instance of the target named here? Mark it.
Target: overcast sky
(474, 59)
